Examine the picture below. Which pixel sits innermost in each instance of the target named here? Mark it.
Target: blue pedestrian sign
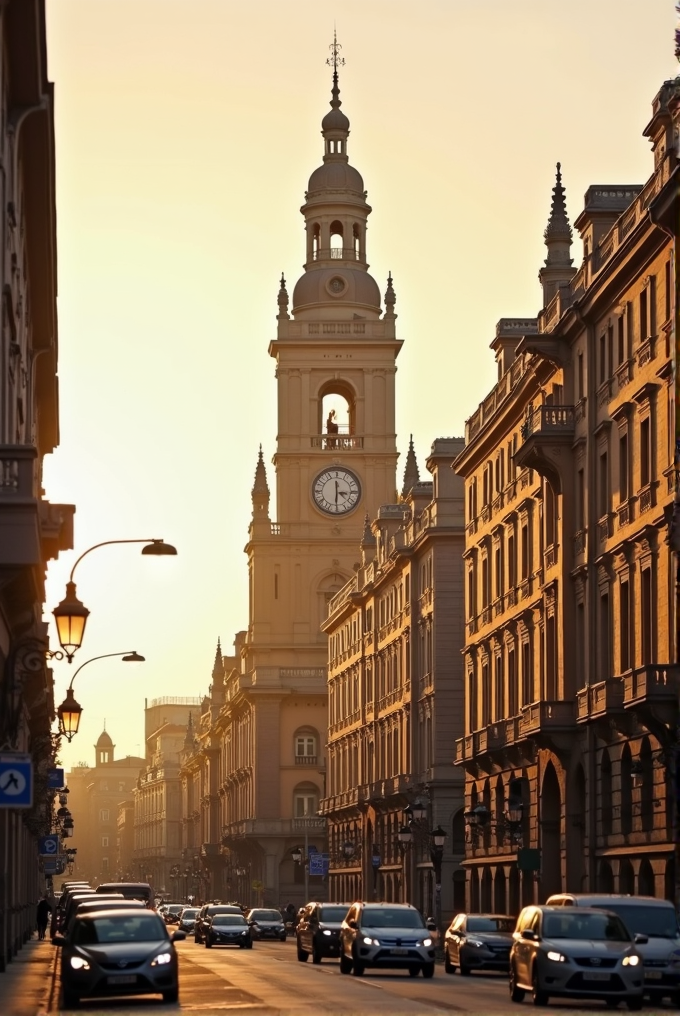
(48, 846)
(55, 779)
(318, 864)
(16, 780)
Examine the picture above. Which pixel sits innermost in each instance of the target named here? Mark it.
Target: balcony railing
(599, 699)
(306, 760)
(337, 442)
(336, 254)
(549, 420)
(654, 683)
(546, 716)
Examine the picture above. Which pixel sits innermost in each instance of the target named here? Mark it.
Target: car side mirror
(640, 939)
(58, 939)
(529, 935)
(178, 936)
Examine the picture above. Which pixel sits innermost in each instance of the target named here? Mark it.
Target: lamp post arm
(106, 543)
(103, 657)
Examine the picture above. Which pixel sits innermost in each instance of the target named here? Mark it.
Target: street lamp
(71, 614)
(69, 712)
(348, 849)
(437, 840)
(404, 839)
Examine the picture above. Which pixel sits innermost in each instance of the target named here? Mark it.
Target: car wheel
(465, 971)
(428, 970)
(316, 955)
(516, 994)
(71, 999)
(171, 996)
(413, 971)
(634, 1003)
(538, 996)
(345, 964)
(302, 955)
(448, 965)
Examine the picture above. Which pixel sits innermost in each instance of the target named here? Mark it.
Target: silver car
(388, 935)
(576, 953)
(478, 942)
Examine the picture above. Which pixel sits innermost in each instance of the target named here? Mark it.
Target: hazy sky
(186, 132)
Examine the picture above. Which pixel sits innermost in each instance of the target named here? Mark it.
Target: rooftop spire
(283, 299)
(390, 298)
(557, 269)
(189, 736)
(218, 668)
(335, 61)
(260, 491)
(367, 538)
(335, 125)
(411, 473)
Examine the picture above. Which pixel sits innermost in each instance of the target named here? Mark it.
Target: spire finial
(411, 471)
(335, 61)
(260, 491)
(282, 300)
(558, 227)
(390, 298)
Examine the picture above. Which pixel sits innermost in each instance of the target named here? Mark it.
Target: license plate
(596, 975)
(399, 952)
(653, 975)
(122, 979)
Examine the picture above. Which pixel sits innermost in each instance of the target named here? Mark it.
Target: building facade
(95, 794)
(395, 683)
(571, 672)
(157, 795)
(32, 531)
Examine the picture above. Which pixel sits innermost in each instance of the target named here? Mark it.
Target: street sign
(16, 780)
(55, 779)
(54, 866)
(375, 861)
(318, 864)
(48, 846)
(528, 859)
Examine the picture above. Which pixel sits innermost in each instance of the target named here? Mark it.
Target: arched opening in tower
(337, 239)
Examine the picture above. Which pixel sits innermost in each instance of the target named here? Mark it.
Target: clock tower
(335, 462)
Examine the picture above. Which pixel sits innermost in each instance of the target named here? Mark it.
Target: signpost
(55, 779)
(318, 864)
(16, 780)
(48, 846)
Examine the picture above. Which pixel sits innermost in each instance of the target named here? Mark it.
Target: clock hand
(343, 493)
(336, 491)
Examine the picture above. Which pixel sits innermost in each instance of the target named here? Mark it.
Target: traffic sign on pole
(48, 846)
(55, 779)
(16, 780)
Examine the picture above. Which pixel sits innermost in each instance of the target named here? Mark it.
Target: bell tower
(335, 461)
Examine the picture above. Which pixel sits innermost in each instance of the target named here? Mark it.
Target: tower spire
(260, 491)
(218, 667)
(411, 472)
(335, 60)
(557, 270)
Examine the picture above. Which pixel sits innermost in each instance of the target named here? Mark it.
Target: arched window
(306, 746)
(305, 800)
(316, 240)
(646, 766)
(626, 796)
(606, 793)
(356, 240)
(337, 242)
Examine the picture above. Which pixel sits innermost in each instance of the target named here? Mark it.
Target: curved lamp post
(71, 614)
(69, 711)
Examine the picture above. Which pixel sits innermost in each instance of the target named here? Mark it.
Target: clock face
(336, 491)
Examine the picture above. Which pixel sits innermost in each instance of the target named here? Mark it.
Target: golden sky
(186, 132)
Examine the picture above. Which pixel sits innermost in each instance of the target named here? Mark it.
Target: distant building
(157, 794)
(95, 793)
(125, 840)
(570, 658)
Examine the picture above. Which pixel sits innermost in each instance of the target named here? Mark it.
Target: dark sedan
(266, 924)
(318, 931)
(118, 952)
(228, 929)
(478, 942)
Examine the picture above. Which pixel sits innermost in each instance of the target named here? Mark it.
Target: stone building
(157, 794)
(571, 674)
(335, 459)
(95, 793)
(395, 683)
(32, 531)
(125, 841)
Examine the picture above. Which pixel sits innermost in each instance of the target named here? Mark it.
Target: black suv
(209, 910)
(318, 930)
(390, 935)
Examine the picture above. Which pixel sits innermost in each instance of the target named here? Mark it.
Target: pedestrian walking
(44, 912)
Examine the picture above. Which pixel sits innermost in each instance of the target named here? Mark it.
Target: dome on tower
(333, 177)
(330, 287)
(104, 740)
(335, 120)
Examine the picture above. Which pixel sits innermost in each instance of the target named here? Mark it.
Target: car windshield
(142, 928)
(654, 921)
(227, 920)
(333, 914)
(490, 924)
(582, 926)
(391, 917)
(222, 910)
(174, 910)
(265, 915)
(188, 913)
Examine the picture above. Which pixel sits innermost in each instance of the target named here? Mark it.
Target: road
(269, 981)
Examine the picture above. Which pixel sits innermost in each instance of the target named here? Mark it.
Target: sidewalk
(26, 985)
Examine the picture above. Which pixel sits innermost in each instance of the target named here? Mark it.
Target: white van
(652, 919)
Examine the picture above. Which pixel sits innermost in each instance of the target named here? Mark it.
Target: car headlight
(161, 959)
(630, 961)
(370, 941)
(427, 942)
(245, 932)
(474, 941)
(78, 963)
(556, 957)
(326, 931)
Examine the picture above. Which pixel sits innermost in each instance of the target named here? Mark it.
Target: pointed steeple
(282, 300)
(189, 736)
(368, 542)
(411, 472)
(218, 666)
(558, 268)
(390, 298)
(260, 491)
(335, 124)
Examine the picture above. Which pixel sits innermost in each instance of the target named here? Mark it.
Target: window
(603, 492)
(305, 804)
(610, 350)
(485, 582)
(605, 669)
(645, 450)
(498, 712)
(104, 815)
(471, 594)
(623, 468)
(624, 625)
(512, 563)
(486, 695)
(527, 676)
(512, 684)
(603, 359)
(580, 500)
(644, 316)
(647, 618)
(667, 291)
(105, 841)
(579, 378)
(498, 567)
(305, 745)
(620, 340)
(525, 552)
(105, 865)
